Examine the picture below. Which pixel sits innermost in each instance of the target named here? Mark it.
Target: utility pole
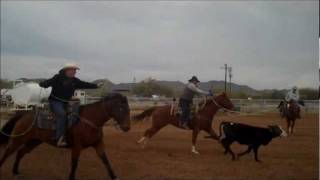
(134, 80)
(225, 76)
(230, 77)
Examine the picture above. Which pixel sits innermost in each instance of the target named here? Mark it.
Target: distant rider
(293, 96)
(63, 86)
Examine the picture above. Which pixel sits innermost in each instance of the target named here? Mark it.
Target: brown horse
(162, 116)
(292, 113)
(86, 133)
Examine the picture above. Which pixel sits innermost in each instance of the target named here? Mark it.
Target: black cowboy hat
(194, 78)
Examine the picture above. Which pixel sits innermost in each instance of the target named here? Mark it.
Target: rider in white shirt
(293, 95)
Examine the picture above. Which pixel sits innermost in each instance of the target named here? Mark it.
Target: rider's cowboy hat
(71, 66)
(194, 78)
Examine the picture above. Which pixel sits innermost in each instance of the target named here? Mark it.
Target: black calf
(252, 136)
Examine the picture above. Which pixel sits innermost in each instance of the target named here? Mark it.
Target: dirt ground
(168, 156)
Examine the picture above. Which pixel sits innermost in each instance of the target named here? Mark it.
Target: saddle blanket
(176, 110)
(45, 118)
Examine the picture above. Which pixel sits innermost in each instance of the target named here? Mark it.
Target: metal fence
(242, 105)
(270, 105)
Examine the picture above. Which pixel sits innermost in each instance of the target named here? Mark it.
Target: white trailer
(26, 95)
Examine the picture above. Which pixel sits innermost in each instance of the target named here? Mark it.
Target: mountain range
(176, 86)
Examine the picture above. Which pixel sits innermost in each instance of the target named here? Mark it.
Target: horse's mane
(208, 101)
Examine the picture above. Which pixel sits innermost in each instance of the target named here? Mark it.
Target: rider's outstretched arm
(49, 82)
(197, 90)
(85, 85)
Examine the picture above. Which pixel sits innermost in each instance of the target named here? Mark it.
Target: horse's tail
(144, 114)
(220, 129)
(8, 128)
(220, 132)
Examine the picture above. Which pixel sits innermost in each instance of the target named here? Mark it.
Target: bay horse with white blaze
(162, 116)
(87, 132)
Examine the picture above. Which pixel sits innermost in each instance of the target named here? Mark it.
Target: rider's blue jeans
(60, 114)
(185, 107)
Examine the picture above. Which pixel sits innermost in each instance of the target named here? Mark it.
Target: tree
(309, 94)
(5, 84)
(151, 87)
(276, 94)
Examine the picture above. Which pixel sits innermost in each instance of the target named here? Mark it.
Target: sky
(269, 44)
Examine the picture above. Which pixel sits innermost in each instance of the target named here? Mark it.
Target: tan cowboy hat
(71, 66)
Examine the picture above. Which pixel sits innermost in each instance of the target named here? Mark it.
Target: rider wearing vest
(63, 86)
(293, 96)
(186, 100)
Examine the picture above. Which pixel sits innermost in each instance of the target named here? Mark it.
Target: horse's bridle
(116, 123)
(220, 106)
(216, 103)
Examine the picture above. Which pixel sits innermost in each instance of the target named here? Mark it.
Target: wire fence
(241, 105)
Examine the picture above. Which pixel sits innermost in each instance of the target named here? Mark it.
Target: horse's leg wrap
(194, 140)
(194, 150)
(141, 140)
(145, 143)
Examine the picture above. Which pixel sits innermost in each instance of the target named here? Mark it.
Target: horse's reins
(116, 123)
(225, 109)
(222, 107)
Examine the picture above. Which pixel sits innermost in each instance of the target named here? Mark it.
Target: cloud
(268, 44)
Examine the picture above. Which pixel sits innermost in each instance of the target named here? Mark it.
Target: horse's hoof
(195, 152)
